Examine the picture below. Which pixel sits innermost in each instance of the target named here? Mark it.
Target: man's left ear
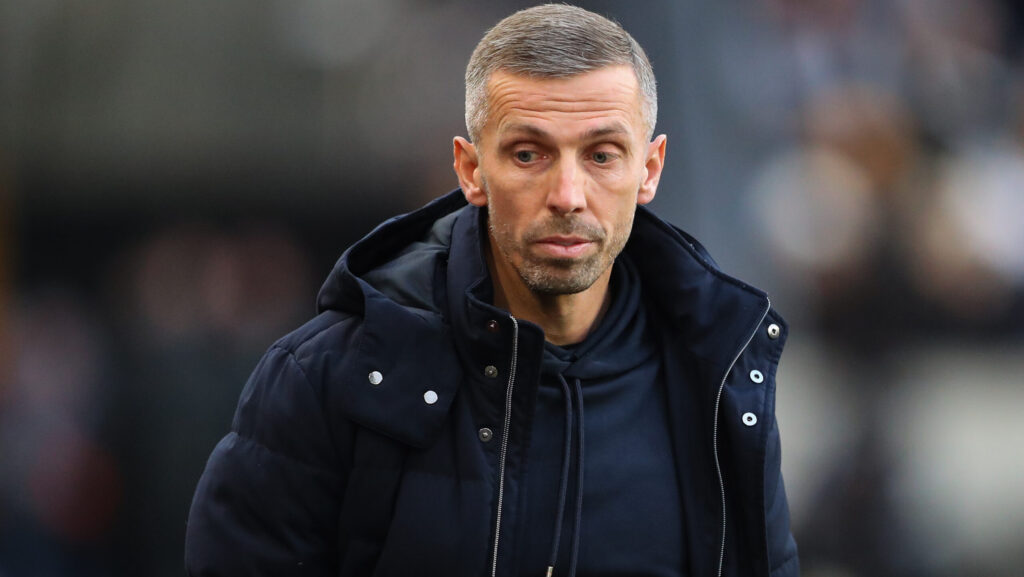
(652, 170)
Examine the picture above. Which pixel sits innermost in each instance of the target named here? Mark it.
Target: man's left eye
(525, 156)
(601, 157)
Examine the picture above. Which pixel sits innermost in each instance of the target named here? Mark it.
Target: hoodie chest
(628, 484)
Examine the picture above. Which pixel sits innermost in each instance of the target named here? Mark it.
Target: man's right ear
(467, 168)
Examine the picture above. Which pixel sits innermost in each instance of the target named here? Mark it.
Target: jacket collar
(413, 348)
(483, 332)
(711, 312)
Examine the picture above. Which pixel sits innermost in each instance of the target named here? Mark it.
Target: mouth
(564, 246)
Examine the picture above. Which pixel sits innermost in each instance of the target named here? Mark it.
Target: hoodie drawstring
(564, 477)
(579, 481)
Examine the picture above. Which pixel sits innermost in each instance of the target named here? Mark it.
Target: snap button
(774, 331)
(749, 419)
(493, 326)
(430, 397)
(756, 376)
(486, 434)
(376, 378)
(491, 371)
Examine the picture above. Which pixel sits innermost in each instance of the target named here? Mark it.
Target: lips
(564, 246)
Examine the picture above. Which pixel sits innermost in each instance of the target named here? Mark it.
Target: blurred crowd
(862, 160)
(108, 419)
(898, 196)
(887, 204)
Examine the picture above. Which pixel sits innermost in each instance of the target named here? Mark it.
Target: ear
(652, 170)
(467, 168)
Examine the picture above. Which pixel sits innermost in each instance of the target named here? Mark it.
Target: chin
(542, 281)
(559, 290)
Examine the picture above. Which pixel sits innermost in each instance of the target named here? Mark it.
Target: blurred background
(176, 178)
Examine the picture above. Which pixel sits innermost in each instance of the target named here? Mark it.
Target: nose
(567, 195)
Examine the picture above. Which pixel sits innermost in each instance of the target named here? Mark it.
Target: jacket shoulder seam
(290, 356)
(293, 349)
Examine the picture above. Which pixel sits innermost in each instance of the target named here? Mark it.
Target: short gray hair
(554, 41)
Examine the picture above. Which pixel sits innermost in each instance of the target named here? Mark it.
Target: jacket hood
(395, 259)
(402, 346)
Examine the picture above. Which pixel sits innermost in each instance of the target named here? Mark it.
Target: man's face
(561, 165)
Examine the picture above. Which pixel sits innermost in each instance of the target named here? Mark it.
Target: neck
(565, 318)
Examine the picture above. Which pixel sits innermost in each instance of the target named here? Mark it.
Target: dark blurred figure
(6, 278)
(60, 486)
(204, 303)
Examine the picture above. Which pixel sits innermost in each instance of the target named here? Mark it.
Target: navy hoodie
(601, 408)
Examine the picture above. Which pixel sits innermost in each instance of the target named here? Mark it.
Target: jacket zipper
(504, 443)
(718, 400)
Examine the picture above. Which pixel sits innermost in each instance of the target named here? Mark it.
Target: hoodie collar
(621, 340)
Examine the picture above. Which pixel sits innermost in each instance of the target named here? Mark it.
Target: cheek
(621, 216)
(509, 206)
(615, 196)
(617, 189)
(501, 217)
(612, 176)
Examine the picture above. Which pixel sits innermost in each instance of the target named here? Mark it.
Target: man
(517, 379)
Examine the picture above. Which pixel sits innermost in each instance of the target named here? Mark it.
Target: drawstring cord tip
(550, 571)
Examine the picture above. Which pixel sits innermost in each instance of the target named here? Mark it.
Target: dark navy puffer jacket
(357, 450)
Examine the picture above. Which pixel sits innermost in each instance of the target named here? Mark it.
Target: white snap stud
(430, 397)
(491, 371)
(749, 419)
(376, 378)
(774, 331)
(486, 434)
(756, 376)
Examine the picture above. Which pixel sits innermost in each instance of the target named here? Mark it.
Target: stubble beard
(559, 276)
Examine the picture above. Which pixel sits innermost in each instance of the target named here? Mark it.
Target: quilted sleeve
(268, 500)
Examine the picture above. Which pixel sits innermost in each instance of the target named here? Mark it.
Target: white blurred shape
(982, 192)
(958, 429)
(815, 208)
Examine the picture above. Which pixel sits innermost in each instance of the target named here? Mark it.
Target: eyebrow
(524, 128)
(615, 129)
(593, 134)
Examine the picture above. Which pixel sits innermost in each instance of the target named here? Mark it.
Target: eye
(525, 156)
(601, 157)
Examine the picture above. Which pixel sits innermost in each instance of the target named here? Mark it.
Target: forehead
(608, 95)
